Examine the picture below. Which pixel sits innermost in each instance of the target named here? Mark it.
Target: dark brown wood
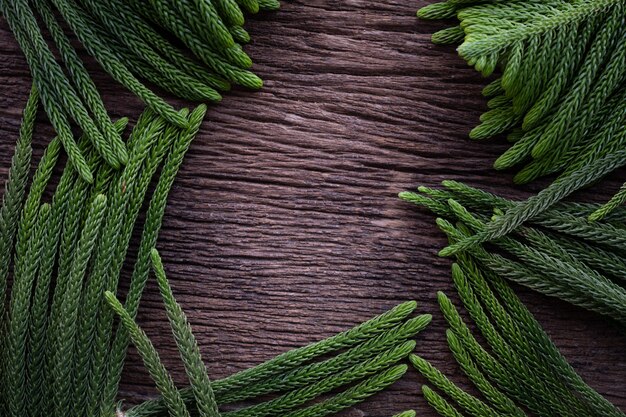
(284, 227)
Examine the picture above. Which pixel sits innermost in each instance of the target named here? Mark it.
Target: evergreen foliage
(561, 93)
(559, 253)
(356, 362)
(388, 334)
(561, 97)
(15, 189)
(522, 373)
(61, 353)
(134, 42)
(187, 345)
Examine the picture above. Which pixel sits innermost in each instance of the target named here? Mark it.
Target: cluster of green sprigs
(57, 333)
(561, 94)
(367, 365)
(559, 253)
(132, 41)
(61, 353)
(520, 374)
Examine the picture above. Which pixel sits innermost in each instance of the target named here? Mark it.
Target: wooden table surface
(284, 225)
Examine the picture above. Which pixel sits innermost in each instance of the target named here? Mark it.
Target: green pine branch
(125, 39)
(151, 360)
(521, 369)
(304, 375)
(291, 362)
(60, 354)
(377, 372)
(561, 94)
(14, 354)
(187, 345)
(502, 381)
(63, 336)
(139, 276)
(559, 253)
(15, 189)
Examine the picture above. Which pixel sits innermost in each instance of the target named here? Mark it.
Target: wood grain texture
(283, 225)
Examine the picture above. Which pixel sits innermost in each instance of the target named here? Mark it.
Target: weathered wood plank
(283, 226)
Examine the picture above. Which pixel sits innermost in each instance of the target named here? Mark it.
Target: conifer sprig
(58, 351)
(40, 304)
(89, 300)
(139, 276)
(354, 395)
(439, 403)
(63, 337)
(567, 394)
(522, 369)
(203, 393)
(558, 253)
(289, 401)
(104, 273)
(545, 199)
(27, 245)
(113, 149)
(297, 357)
(291, 361)
(151, 360)
(14, 354)
(127, 42)
(15, 189)
(381, 366)
(39, 315)
(187, 345)
(43, 67)
(140, 181)
(561, 94)
(304, 375)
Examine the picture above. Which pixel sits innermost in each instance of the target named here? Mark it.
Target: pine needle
(353, 395)
(561, 94)
(187, 345)
(318, 370)
(14, 357)
(15, 189)
(151, 359)
(292, 360)
(139, 277)
(295, 398)
(440, 405)
(63, 337)
(575, 260)
(522, 368)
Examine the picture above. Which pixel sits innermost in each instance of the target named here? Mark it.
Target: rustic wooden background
(284, 227)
